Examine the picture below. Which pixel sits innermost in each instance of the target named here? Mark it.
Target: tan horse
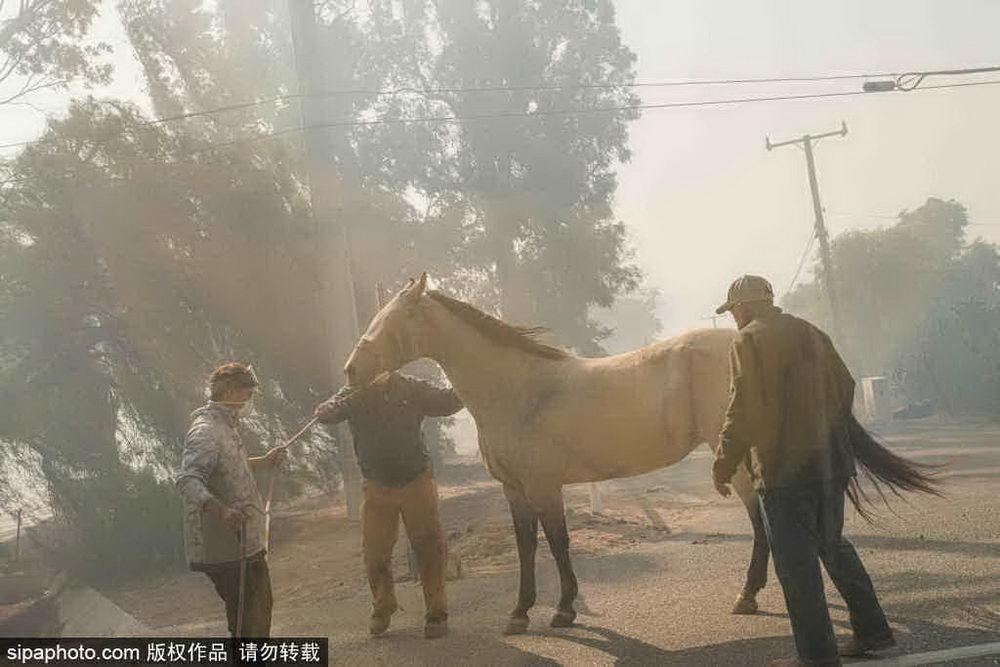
(547, 418)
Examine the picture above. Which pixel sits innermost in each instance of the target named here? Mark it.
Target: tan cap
(744, 289)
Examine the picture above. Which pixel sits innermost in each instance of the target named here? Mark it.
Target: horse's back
(631, 413)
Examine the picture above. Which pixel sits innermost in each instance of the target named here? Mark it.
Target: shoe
(854, 647)
(435, 629)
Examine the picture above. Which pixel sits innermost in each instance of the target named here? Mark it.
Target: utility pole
(17, 540)
(807, 141)
(713, 318)
(337, 301)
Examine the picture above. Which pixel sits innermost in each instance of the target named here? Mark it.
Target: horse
(546, 418)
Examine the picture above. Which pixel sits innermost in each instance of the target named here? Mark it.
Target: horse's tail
(882, 467)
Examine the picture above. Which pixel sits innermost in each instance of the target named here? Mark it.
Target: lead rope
(273, 476)
(241, 543)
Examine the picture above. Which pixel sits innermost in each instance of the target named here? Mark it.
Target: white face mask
(243, 409)
(246, 408)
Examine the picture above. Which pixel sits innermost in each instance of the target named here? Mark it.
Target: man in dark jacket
(791, 400)
(385, 419)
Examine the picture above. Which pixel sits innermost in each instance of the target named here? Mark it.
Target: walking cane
(240, 532)
(273, 476)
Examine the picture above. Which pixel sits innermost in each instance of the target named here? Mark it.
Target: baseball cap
(746, 288)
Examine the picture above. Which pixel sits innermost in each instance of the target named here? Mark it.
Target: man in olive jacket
(788, 420)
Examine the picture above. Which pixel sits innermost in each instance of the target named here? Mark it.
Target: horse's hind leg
(526, 532)
(746, 603)
(553, 516)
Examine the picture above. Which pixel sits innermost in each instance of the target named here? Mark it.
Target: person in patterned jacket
(223, 508)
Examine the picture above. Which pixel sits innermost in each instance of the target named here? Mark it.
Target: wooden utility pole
(17, 540)
(337, 301)
(807, 141)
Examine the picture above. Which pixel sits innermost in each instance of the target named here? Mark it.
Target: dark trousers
(805, 526)
(256, 599)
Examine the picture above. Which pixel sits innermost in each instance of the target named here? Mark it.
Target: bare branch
(30, 87)
(24, 103)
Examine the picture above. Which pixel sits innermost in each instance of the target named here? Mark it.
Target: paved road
(936, 566)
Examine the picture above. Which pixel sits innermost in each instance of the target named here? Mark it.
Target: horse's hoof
(745, 606)
(516, 625)
(563, 619)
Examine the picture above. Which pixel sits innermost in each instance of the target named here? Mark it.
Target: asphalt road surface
(935, 564)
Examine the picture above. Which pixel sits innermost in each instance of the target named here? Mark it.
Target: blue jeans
(804, 526)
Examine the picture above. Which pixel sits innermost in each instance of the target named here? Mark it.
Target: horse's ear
(415, 288)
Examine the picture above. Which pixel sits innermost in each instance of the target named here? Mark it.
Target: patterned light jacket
(215, 465)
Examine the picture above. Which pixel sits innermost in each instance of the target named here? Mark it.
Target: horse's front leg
(526, 532)
(746, 603)
(553, 515)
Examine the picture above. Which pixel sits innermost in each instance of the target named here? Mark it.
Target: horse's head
(394, 337)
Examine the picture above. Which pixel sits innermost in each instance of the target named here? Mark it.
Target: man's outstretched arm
(338, 407)
(434, 401)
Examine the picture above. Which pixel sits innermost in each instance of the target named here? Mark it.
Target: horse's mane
(522, 338)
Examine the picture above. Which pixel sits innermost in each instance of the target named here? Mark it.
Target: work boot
(435, 628)
(854, 647)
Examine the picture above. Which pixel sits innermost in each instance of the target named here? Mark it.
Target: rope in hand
(241, 544)
(274, 475)
(270, 483)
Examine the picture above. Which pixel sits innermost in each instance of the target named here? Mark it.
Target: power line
(541, 113)
(911, 80)
(553, 87)
(802, 261)
(508, 89)
(544, 87)
(355, 92)
(574, 112)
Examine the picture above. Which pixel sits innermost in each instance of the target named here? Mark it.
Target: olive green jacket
(791, 399)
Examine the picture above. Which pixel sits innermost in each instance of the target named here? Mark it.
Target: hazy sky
(703, 199)
(706, 202)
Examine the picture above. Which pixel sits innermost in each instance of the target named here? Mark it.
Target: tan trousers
(418, 504)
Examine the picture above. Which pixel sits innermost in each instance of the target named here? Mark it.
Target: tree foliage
(137, 254)
(42, 45)
(531, 195)
(919, 303)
